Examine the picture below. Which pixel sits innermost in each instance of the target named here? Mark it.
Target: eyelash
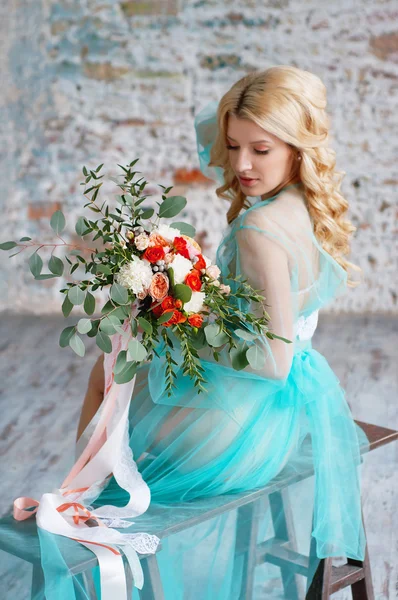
(258, 151)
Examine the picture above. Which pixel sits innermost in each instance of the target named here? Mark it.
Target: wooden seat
(280, 550)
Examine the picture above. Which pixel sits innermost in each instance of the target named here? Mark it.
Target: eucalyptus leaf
(147, 213)
(65, 336)
(134, 327)
(183, 292)
(35, 264)
(238, 357)
(104, 269)
(89, 304)
(103, 341)
(25, 239)
(109, 324)
(76, 295)
(145, 325)
(245, 335)
(81, 227)
(46, 276)
(164, 318)
(171, 206)
(67, 306)
(127, 373)
(8, 245)
(83, 325)
(57, 221)
(256, 357)
(77, 345)
(214, 336)
(119, 294)
(184, 228)
(136, 351)
(120, 362)
(56, 265)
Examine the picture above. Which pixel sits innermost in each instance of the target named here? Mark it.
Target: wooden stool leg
(284, 530)
(362, 590)
(246, 544)
(152, 588)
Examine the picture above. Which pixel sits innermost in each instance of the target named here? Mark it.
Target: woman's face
(259, 155)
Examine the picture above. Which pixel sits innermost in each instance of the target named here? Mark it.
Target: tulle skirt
(242, 434)
(196, 452)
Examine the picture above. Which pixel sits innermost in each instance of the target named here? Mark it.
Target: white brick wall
(85, 82)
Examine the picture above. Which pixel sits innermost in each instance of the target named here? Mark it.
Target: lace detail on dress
(144, 543)
(304, 327)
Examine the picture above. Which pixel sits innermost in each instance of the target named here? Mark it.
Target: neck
(277, 189)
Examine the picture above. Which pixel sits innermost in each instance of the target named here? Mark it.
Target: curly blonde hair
(290, 103)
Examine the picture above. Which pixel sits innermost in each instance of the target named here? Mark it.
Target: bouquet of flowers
(158, 280)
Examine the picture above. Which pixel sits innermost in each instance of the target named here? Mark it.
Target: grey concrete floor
(42, 387)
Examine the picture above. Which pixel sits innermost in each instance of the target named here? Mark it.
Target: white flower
(169, 233)
(196, 302)
(225, 289)
(135, 275)
(181, 267)
(141, 241)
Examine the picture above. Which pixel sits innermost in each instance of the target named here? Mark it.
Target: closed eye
(257, 151)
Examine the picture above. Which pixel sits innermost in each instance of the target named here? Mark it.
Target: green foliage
(184, 228)
(229, 327)
(171, 206)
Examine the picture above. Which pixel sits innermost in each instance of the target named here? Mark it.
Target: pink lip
(248, 182)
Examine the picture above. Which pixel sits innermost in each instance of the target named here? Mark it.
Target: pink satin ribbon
(25, 507)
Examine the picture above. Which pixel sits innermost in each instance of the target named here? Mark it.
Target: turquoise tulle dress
(251, 426)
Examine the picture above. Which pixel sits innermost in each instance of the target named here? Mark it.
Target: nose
(243, 162)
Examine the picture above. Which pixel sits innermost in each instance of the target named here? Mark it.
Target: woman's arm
(94, 395)
(264, 263)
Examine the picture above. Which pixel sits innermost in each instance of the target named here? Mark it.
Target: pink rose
(213, 271)
(159, 286)
(225, 289)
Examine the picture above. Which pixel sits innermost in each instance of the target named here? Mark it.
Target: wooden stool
(280, 550)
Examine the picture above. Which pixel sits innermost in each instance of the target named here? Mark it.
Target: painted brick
(85, 83)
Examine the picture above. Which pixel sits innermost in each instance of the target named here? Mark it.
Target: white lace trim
(304, 327)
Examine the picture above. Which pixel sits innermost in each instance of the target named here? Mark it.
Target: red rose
(168, 302)
(193, 281)
(157, 310)
(178, 303)
(180, 246)
(195, 320)
(200, 263)
(153, 253)
(175, 317)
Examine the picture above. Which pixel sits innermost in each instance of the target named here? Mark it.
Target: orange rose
(200, 263)
(157, 240)
(159, 286)
(168, 302)
(175, 318)
(153, 253)
(180, 246)
(195, 320)
(193, 280)
(178, 303)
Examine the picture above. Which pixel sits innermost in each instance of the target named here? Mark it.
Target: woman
(266, 143)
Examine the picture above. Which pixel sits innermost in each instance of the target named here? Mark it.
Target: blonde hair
(290, 103)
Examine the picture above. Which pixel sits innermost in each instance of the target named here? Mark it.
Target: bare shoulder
(287, 211)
